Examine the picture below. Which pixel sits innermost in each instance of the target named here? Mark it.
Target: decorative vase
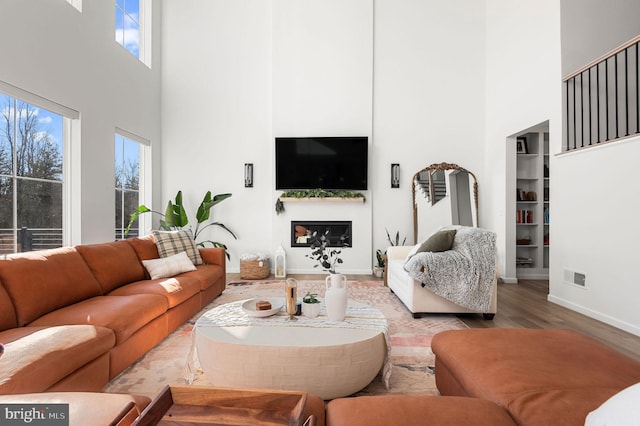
(310, 310)
(378, 271)
(335, 297)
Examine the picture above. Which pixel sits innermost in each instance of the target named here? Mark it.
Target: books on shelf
(524, 216)
(524, 261)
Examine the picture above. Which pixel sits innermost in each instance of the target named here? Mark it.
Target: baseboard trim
(607, 319)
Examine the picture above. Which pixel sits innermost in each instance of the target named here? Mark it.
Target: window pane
(127, 180)
(40, 212)
(131, 165)
(131, 201)
(131, 7)
(6, 216)
(120, 225)
(119, 26)
(128, 25)
(131, 35)
(39, 143)
(6, 135)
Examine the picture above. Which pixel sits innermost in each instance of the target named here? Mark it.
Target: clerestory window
(133, 29)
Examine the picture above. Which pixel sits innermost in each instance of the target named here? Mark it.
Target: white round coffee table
(330, 360)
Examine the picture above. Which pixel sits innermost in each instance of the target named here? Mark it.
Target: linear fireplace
(302, 231)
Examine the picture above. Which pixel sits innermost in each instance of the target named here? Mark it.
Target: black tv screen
(325, 162)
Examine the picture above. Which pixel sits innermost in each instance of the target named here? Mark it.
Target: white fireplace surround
(357, 259)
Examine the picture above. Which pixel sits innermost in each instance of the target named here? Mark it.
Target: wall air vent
(575, 278)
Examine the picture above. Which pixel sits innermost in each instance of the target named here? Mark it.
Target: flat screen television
(332, 163)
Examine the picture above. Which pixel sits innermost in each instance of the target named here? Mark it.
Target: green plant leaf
(202, 214)
(218, 198)
(168, 216)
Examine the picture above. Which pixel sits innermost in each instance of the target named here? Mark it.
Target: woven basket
(254, 268)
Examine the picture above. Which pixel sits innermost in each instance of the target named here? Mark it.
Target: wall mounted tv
(330, 163)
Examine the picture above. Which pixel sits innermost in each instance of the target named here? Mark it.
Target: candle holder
(291, 289)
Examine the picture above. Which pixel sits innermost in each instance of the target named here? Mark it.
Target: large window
(31, 177)
(129, 181)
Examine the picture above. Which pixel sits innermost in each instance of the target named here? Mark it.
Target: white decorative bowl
(249, 307)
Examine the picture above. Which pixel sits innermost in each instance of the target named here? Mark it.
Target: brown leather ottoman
(539, 376)
(415, 410)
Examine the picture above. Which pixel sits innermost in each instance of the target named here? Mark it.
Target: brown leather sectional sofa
(73, 318)
(503, 377)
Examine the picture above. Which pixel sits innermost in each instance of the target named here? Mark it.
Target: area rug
(411, 357)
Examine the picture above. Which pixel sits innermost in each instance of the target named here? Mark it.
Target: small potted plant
(310, 305)
(378, 269)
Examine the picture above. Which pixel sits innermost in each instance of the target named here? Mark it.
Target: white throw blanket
(464, 274)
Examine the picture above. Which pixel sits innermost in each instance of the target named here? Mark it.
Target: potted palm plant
(175, 217)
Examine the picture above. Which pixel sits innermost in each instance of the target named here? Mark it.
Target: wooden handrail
(603, 58)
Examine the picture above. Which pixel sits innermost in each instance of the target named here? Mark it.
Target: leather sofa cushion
(42, 281)
(558, 406)
(37, 357)
(175, 289)
(125, 315)
(415, 410)
(7, 313)
(113, 264)
(146, 249)
(206, 275)
(524, 369)
(213, 256)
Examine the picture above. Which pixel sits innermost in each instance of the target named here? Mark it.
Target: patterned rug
(411, 356)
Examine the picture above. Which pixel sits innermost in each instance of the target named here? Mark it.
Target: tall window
(31, 177)
(128, 25)
(128, 185)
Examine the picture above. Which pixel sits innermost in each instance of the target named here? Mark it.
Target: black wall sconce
(248, 175)
(395, 175)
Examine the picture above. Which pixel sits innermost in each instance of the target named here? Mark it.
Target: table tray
(204, 405)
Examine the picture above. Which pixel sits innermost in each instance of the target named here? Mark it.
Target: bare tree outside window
(127, 182)
(30, 177)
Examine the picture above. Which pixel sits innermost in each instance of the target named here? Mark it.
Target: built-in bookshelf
(532, 205)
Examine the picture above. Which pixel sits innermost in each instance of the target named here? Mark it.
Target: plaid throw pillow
(171, 266)
(172, 242)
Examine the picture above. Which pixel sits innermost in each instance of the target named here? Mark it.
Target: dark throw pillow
(440, 241)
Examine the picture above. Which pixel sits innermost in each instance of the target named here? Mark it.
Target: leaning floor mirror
(443, 194)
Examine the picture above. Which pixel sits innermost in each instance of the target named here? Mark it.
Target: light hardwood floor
(525, 305)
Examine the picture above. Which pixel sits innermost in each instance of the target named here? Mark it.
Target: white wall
(322, 86)
(71, 58)
(523, 90)
(595, 193)
(429, 100)
(258, 69)
(216, 114)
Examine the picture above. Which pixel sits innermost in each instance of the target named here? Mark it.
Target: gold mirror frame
(432, 169)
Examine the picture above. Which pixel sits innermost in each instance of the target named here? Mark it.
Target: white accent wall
(409, 75)
(54, 51)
